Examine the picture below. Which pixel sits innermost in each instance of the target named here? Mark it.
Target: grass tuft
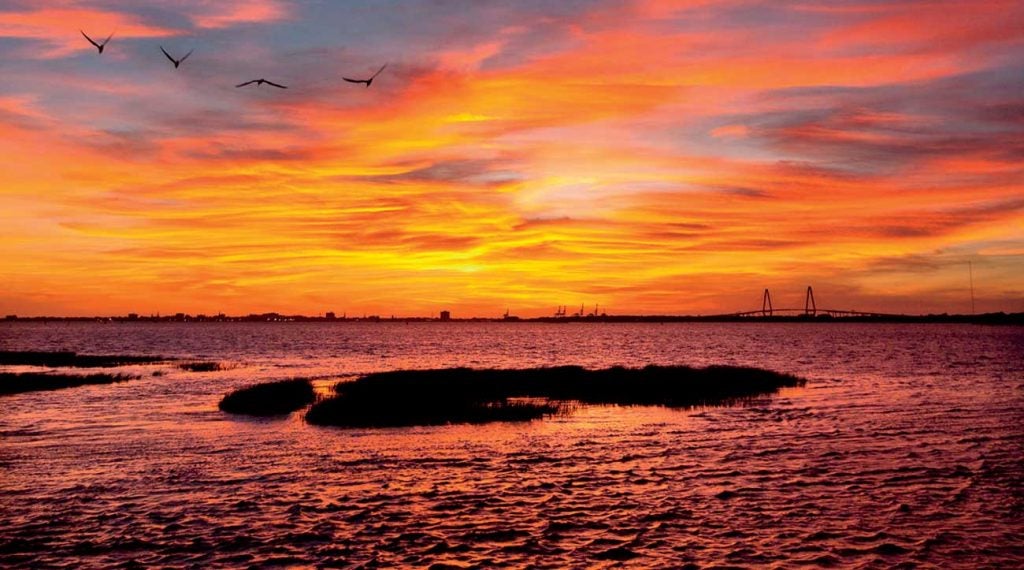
(18, 383)
(463, 395)
(201, 366)
(270, 399)
(68, 359)
(363, 412)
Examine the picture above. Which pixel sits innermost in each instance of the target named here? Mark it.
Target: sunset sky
(648, 156)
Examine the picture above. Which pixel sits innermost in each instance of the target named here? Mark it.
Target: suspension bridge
(810, 309)
(768, 312)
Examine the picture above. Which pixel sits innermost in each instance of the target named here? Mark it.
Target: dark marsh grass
(69, 359)
(270, 399)
(463, 395)
(201, 366)
(403, 412)
(18, 383)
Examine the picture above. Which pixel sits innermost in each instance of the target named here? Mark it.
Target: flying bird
(366, 81)
(98, 46)
(176, 62)
(259, 82)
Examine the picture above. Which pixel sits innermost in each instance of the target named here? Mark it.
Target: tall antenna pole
(970, 271)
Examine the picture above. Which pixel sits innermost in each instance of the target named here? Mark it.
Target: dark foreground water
(905, 448)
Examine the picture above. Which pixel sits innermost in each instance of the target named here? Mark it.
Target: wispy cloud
(228, 13)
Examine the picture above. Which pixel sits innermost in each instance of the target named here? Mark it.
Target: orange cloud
(629, 160)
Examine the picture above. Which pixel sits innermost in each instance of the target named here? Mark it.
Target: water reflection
(905, 447)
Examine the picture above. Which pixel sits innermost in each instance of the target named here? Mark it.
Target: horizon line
(795, 315)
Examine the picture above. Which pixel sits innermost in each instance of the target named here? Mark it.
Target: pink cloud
(59, 28)
(227, 14)
(731, 132)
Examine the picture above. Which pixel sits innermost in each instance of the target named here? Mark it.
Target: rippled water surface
(905, 447)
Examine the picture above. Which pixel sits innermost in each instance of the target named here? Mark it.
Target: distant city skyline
(647, 157)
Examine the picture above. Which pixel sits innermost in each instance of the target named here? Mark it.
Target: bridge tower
(766, 304)
(809, 307)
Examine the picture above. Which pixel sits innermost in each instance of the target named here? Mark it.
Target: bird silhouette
(366, 81)
(98, 46)
(176, 62)
(259, 82)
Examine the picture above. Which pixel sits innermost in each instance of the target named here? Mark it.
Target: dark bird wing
(168, 55)
(374, 76)
(274, 84)
(354, 80)
(246, 83)
(108, 38)
(90, 39)
(186, 55)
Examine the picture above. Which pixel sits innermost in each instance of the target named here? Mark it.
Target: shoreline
(981, 319)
